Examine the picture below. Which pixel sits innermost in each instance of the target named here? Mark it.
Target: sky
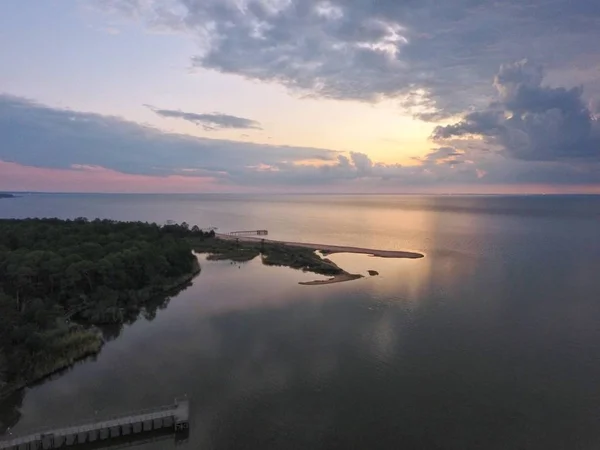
(373, 96)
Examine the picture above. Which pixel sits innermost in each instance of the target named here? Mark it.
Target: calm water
(490, 342)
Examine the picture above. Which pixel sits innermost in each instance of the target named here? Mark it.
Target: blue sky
(300, 95)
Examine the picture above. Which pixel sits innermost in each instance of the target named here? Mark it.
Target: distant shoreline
(327, 249)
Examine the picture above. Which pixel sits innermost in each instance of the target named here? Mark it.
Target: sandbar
(335, 279)
(331, 249)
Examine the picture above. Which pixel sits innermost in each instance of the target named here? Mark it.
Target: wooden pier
(172, 417)
(249, 233)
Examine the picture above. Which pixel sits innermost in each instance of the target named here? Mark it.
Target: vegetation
(222, 249)
(299, 258)
(273, 254)
(65, 285)
(61, 279)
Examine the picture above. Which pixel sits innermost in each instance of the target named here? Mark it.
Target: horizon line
(439, 194)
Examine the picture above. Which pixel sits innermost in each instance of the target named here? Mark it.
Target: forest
(61, 279)
(272, 254)
(65, 283)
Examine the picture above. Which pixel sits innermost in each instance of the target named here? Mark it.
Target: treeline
(57, 278)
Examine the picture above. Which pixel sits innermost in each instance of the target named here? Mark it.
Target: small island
(5, 195)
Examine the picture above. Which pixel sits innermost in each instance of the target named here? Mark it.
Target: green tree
(55, 273)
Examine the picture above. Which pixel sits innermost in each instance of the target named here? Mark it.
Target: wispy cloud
(210, 121)
(18, 177)
(38, 135)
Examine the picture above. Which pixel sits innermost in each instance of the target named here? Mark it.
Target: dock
(173, 418)
(249, 233)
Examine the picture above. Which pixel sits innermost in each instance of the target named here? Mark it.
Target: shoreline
(341, 278)
(10, 388)
(327, 249)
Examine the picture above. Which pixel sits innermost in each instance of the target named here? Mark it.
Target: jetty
(174, 418)
(249, 233)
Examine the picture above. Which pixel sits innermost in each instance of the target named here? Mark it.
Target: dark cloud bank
(37, 135)
(434, 57)
(530, 121)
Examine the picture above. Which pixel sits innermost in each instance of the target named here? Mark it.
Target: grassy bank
(66, 345)
(69, 342)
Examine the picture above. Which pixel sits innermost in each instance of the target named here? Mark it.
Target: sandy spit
(330, 249)
(335, 279)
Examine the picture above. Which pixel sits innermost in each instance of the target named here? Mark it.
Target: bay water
(491, 341)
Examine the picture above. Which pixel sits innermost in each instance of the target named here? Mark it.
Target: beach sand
(336, 279)
(331, 249)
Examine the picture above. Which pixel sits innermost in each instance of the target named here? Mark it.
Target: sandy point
(331, 249)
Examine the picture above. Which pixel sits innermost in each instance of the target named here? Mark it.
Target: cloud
(478, 122)
(16, 177)
(443, 155)
(433, 57)
(358, 172)
(210, 122)
(530, 121)
(362, 163)
(62, 145)
(41, 136)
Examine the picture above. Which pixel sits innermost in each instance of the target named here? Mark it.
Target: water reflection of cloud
(356, 363)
